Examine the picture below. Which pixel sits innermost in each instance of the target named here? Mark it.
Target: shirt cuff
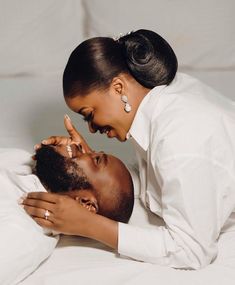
(140, 243)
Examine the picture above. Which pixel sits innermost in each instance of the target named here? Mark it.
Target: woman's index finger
(43, 196)
(74, 134)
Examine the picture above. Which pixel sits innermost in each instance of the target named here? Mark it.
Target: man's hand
(74, 138)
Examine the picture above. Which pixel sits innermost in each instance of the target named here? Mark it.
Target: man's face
(102, 170)
(99, 181)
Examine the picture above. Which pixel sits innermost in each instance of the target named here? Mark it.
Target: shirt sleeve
(196, 201)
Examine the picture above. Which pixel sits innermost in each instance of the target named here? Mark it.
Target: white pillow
(23, 243)
(201, 32)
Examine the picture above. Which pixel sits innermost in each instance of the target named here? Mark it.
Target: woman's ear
(118, 85)
(87, 200)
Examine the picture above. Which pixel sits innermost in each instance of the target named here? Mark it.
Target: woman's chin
(112, 134)
(121, 138)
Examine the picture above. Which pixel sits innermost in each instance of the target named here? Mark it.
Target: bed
(36, 40)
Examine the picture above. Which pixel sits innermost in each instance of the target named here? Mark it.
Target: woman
(184, 136)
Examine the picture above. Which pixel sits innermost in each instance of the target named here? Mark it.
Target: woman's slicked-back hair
(143, 54)
(93, 64)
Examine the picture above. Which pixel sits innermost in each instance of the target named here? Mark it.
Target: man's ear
(87, 199)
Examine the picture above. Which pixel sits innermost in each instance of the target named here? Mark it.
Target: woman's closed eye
(88, 117)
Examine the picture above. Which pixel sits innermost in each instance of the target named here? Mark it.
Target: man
(82, 178)
(99, 182)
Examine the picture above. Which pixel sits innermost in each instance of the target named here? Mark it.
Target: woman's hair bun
(150, 59)
(96, 61)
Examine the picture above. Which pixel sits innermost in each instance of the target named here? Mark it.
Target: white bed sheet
(83, 261)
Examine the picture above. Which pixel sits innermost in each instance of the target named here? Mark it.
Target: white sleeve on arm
(196, 201)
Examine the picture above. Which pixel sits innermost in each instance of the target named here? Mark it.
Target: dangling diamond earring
(127, 106)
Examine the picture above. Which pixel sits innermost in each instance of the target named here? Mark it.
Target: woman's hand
(74, 138)
(64, 214)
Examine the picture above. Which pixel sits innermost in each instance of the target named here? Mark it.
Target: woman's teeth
(105, 131)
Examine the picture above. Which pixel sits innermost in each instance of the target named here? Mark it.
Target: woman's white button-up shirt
(184, 136)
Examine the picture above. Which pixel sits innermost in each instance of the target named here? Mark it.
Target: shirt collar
(140, 128)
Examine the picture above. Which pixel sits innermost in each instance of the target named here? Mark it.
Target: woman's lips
(108, 131)
(105, 130)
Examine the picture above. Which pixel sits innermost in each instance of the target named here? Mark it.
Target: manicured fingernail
(20, 201)
(44, 142)
(24, 196)
(67, 117)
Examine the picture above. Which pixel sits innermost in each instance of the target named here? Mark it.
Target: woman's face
(104, 112)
